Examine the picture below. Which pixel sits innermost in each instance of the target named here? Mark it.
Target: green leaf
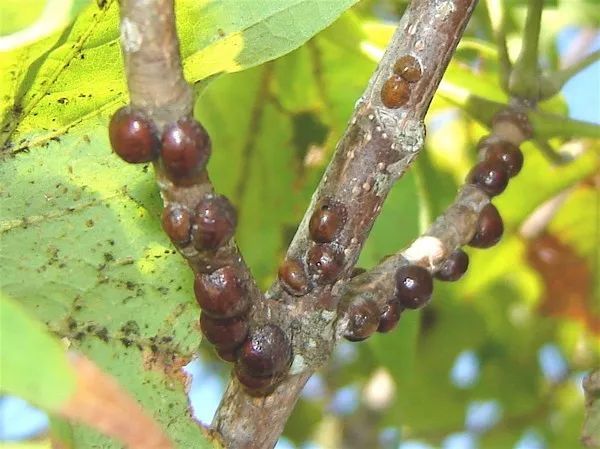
(84, 252)
(33, 364)
(80, 73)
(23, 26)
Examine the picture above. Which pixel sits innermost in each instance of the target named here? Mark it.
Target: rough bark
(377, 148)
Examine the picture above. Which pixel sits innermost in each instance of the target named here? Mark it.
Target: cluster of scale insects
(263, 355)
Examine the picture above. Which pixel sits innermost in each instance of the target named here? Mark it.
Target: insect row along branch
(376, 299)
(158, 127)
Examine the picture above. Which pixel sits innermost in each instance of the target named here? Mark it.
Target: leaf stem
(524, 80)
(497, 16)
(553, 83)
(545, 125)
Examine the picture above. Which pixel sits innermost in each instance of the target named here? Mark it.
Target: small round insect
(489, 176)
(414, 286)
(454, 267)
(214, 222)
(326, 221)
(409, 68)
(266, 352)
(185, 150)
(133, 136)
(293, 278)
(255, 385)
(390, 316)
(489, 228)
(395, 92)
(363, 320)
(177, 224)
(326, 261)
(505, 152)
(221, 294)
(226, 334)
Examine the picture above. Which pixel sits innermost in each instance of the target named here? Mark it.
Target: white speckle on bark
(131, 38)
(443, 9)
(298, 365)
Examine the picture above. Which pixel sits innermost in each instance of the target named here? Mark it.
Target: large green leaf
(83, 251)
(80, 73)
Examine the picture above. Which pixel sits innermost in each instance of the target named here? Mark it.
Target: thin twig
(450, 231)
(554, 82)
(524, 80)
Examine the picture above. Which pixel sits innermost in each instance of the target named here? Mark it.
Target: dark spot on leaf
(63, 100)
(102, 334)
(89, 223)
(79, 336)
(130, 328)
(71, 323)
(108, 257)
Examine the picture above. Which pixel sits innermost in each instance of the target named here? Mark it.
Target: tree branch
(450, 231)
(377, 148)
(157, 87)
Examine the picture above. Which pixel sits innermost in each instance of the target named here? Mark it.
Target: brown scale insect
(221, 294)
(409, 68)
(176, 223)
(390, 316)
(414, 286)
(133, 136)
(326, 221)
(266, 352)
(293, 277)
(214, 222)
(185, 150)
(363, 318)
(226, 334)
(489, 228)
(395, 92)
(326, 261)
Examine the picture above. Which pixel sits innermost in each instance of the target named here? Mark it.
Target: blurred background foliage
(495, 361)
